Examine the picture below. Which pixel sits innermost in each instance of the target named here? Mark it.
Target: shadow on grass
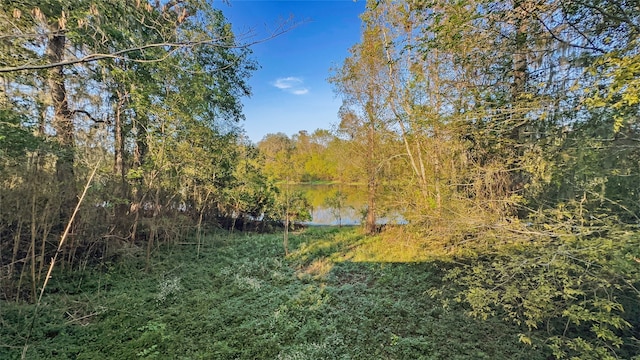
(387, 290)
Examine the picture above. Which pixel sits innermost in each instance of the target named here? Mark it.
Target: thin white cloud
(287, 82)
(291, 84)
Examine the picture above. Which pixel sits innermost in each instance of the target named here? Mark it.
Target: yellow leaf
(524, 339)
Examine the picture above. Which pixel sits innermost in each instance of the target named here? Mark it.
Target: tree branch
(174, 46)
(88, 114)
(115, 55)
(556, 37)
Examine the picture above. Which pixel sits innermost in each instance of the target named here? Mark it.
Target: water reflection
(327, 216)
(341, 205)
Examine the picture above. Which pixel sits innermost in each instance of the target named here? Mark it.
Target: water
(341, 205)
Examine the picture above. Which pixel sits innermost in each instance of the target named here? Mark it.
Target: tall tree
(364, 117)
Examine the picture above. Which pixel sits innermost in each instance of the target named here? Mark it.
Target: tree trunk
(520, 74)
(32, 248)
(199, 233)
(139, 152)
(118, 146)
(520, 123)
(121, 207)
(371, 207)
(63, 126)
(153, 231)
(371, 166)
(285, 240)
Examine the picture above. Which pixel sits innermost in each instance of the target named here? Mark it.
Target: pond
(340, 204)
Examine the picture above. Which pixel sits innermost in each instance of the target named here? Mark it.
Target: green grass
(241, 299)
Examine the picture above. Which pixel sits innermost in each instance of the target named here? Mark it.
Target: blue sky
(290, 90)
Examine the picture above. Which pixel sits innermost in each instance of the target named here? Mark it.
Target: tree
(277, 150)
(421, 96)
(514, 120)
(336, 203)
(280, 164)
(360, 81)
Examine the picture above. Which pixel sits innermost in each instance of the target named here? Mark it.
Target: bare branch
(556, 37)
(98, 56)
(173, 46)
(87, 114)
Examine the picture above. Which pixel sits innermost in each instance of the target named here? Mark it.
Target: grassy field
(242, 299)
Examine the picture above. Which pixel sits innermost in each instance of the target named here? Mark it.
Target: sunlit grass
(396, 244)
(318, 269)
(403, 244)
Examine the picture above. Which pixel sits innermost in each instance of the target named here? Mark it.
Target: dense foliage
(148, 93)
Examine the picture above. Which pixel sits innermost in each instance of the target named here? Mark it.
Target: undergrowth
(241, 299)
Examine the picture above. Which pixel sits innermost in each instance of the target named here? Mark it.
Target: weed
(168, 288)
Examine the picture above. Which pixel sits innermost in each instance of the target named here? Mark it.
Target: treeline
(304, 157)
(147, 93)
